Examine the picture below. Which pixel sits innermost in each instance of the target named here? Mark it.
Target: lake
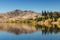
(21, 31)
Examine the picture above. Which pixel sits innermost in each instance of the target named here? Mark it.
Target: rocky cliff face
(18, 15)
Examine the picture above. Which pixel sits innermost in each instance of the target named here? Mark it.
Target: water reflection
(46, 29)
(19, 28)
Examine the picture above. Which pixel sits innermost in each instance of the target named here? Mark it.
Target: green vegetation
(47, 17)
(38, 19)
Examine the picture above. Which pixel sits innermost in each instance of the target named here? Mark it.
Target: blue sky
(34, 5)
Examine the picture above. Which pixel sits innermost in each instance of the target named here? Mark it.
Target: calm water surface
(28, 32)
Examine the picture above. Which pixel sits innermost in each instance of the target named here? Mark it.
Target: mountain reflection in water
(19, 28)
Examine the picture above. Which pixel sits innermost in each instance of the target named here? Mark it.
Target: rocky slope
(18, 15)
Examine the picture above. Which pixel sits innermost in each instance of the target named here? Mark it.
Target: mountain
(18, 15)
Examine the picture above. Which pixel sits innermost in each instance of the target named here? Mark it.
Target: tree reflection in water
(47, 30)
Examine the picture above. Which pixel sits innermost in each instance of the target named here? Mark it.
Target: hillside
(18, 15)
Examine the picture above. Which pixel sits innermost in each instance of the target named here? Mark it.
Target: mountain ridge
(18, 15)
